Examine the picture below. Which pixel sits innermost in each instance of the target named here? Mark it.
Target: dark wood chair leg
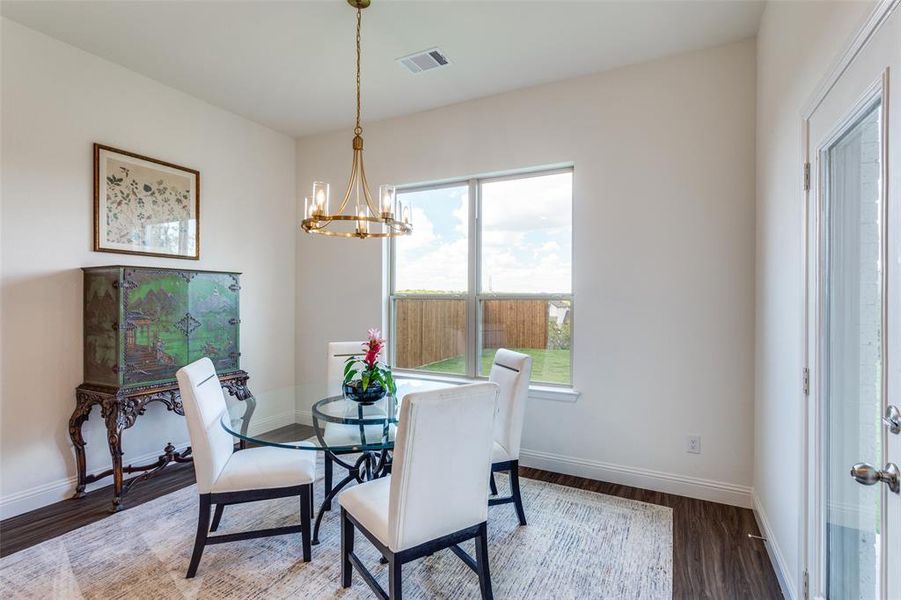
(203, 526)
(514, 489)
(217, 516)
(493, 485)
(329, 468)
(347, 546)
(394, 579)
(306, 515)
(482, 562)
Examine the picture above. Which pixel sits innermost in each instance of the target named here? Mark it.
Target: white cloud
(441, 267)
(526, 239)
(528, 204)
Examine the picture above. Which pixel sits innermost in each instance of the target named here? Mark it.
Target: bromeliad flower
(373, 348)
(368, 368)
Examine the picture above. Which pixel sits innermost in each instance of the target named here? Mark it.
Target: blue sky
(526, 237)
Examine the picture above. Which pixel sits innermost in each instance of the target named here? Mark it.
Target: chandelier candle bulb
(386, 193)
(320, 198)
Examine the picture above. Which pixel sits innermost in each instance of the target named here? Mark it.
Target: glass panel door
(852, 355)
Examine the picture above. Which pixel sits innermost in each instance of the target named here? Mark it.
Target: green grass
(548, 366)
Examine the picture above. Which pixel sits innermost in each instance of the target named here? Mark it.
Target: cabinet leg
(80, 460)
(83, 404)
(114, 438)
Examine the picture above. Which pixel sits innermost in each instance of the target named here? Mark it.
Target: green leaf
(364, 381)
(389, 381)
(349, 364)
(349, 375)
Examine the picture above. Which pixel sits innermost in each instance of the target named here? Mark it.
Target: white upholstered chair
(435, 496)
(511, 371)
(336, 434)
(228, 477)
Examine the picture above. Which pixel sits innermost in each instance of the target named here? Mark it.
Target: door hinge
(805, 381)
(806, 585)
(807, 177)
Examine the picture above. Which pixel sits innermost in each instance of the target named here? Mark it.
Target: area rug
(577, 545)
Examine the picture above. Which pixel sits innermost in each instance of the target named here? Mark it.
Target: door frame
(813, 546)
(809, 548)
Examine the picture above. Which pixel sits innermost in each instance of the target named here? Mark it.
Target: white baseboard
(682, 485)
(55, 491)
(773, 551)
(304, 417)
(693, 487)
(264, 424)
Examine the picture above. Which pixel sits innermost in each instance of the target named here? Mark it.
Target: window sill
(536, 391)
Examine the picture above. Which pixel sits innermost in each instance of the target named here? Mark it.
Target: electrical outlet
(693, 444)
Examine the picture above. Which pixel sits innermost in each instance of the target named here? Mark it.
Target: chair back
(204, 404)
(442, 463)
(511, 371)
(338, 352)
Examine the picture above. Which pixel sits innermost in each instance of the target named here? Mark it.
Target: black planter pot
(373, 393)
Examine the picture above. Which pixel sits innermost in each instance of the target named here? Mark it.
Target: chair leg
(306, 516)
(394, 579)
(514, 489)
(347, 546)
(482, 562)
(203, 525)
(217, 516)
(493, 485)
(329, 467)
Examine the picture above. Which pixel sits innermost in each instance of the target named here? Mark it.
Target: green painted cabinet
(141, 324)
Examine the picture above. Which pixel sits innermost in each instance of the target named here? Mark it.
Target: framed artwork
(145, 206)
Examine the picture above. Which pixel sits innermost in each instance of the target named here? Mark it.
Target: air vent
(424, 61)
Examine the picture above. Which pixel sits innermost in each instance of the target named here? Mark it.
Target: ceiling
(289, 64)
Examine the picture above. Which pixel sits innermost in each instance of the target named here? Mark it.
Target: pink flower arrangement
(363, 372)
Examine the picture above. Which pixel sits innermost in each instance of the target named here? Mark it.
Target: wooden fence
(429, 330)
(514, 324)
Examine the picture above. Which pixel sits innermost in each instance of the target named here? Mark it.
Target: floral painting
(145, 206)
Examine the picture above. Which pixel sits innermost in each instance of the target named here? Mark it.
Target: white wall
(663, 258)
(797, 43)
(57, 101)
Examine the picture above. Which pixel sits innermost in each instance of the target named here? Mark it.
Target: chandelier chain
(358, 130)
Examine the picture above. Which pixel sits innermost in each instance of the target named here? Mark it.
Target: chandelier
(386, 218)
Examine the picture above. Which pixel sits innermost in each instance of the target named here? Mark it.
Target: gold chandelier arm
(350, 183)
(372, 209)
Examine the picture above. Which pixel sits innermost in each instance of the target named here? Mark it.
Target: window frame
(474, 296)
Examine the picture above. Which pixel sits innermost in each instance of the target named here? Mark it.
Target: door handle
(867, 474)
(892, 418)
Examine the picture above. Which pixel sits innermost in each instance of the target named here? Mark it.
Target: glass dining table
(357, 437)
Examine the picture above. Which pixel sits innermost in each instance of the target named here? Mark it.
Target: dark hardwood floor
(713, 557)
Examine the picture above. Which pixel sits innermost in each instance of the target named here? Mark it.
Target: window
(489, 265)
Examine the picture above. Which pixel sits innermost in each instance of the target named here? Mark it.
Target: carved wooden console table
(141, 324)
(120, 408)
